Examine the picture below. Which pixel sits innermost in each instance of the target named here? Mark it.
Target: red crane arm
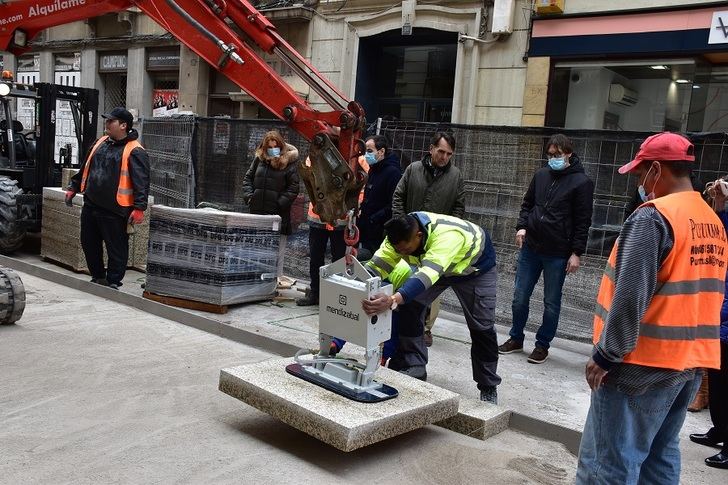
(207, 28)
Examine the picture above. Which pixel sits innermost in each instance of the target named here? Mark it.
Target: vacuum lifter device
(343, 288)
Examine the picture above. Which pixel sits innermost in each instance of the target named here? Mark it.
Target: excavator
(333, 179)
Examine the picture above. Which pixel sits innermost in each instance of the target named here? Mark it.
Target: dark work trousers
(317, 240)
(99, 227)
(718, 398)
(477, 298)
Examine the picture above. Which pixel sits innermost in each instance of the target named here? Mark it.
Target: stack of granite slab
(61, 230)
(212, 256)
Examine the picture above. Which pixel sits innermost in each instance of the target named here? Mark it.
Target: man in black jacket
(115, 186)
(552, 231)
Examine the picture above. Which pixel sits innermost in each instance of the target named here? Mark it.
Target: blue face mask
(274, 152)
(557, 163)
(371, 158)
(643, 193)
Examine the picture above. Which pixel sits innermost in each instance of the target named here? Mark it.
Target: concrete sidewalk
(94, 391)
(554, 392)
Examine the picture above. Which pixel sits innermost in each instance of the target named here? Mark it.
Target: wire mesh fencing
(212, 155)
(498, 163)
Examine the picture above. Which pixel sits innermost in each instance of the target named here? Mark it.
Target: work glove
(70, 194)
(136, 217)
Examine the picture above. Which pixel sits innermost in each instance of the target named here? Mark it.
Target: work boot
(489, 394)
(538, 356)
(309, 300)
(428, 338)
(701, 398)
(510, 346)
(416, 371)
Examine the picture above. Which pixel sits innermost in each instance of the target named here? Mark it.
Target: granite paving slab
(333, 419)
(478, 419)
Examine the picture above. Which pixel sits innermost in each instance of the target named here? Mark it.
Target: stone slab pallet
(333, 419)
(61, 229)
(189, 304)
(212, 256)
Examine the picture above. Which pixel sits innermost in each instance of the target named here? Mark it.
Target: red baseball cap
(662, 147)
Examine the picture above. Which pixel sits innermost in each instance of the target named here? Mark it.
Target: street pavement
(553, 392)
(93, 391)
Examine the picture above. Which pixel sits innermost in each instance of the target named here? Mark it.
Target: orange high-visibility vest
(125, 192)
(313, 217)
(681, 327)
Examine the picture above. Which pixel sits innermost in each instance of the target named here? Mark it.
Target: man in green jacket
(446, 252)
(433, 184)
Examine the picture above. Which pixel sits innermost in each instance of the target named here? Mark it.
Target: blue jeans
(634, 439)
(530, 266)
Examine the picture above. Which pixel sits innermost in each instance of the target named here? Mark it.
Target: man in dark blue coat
(376, 209)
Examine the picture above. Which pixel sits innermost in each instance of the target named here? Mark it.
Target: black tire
(12, 297)
(11, 235)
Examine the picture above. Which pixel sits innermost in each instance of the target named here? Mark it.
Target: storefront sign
(29, 63)
(112, 63)
(719, 28)
(68, 62)
(165, 102)
(163, 60)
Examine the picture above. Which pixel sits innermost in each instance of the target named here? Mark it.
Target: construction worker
(657, 319)
(446, 252)
(114, 182)
(433, 184)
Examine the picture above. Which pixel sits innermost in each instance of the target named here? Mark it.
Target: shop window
(653, 95)
(166, 82)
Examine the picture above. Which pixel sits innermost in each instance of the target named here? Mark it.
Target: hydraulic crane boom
(207, 28)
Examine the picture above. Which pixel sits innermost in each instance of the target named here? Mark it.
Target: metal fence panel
(168, 141)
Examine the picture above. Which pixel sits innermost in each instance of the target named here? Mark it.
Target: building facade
(624, 64)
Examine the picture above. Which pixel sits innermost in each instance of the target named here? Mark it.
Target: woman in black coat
(271, 184)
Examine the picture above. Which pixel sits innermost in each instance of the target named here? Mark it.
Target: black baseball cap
(122, 115)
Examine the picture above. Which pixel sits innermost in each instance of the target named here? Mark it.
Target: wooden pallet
(189, 304)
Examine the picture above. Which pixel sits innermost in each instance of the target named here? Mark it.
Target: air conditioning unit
(618, 94)
(503, 14)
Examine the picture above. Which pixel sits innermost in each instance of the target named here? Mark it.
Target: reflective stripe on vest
(681, 327)
(125, 191)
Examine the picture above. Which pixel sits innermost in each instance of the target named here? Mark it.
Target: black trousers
(317, 240)
(98, 227)
(477, 297)
(718, 398)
